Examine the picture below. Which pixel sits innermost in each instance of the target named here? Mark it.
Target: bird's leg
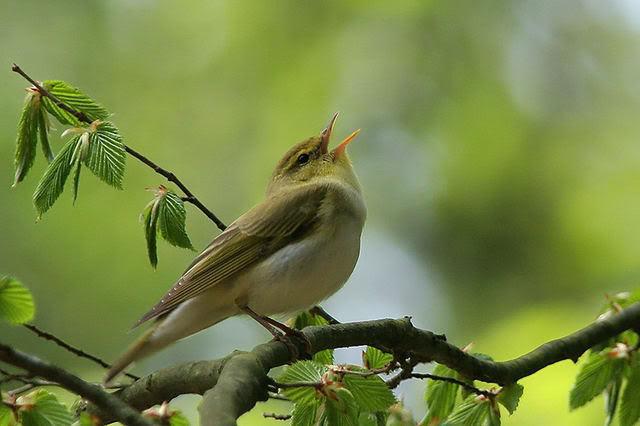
(277, 329)
(261, 320)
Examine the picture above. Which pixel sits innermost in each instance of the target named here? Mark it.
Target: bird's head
(311, 159)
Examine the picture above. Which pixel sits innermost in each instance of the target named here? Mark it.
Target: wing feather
(255, 235)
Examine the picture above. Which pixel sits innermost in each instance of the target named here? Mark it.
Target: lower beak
(339, 150)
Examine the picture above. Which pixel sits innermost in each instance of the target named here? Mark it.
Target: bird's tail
(144, 346)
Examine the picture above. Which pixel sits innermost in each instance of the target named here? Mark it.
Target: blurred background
(499, 157)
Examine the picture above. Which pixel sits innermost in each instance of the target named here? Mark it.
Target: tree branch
(76, 351)
(232, 385)
(81, 116)
(106, 401)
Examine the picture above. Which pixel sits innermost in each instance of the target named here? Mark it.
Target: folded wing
(279, 220)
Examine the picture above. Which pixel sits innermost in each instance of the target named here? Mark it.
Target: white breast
(306, 272)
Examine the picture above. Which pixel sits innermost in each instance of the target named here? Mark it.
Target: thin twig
(298, 385)
(30, 384)
(276, 416)
(76, 351)
(465, 385)
(161, 171)
(317, 310)
(107, 402)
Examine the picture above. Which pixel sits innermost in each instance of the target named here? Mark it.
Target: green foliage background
(499, 157)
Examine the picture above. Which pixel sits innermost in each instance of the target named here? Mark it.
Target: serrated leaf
(629, 406)
(74, 98)
(440, 395)
(150, 221)
(473, 411)
(342, 411)
(52, 182)
(302, 371)
(43, 129)
(371, 393)
(509, 396)
(374, 358)
(594, 376)
(106, 154)
(16, 302)
(305, 414)
(27, 138)
(172, 218)
(45, 410)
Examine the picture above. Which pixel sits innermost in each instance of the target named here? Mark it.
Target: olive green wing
(261, 231)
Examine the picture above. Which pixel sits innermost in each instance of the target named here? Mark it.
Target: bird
(286, 254)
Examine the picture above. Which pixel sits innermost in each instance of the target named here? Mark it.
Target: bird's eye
(303, 159)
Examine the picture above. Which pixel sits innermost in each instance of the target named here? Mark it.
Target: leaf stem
(170, 176)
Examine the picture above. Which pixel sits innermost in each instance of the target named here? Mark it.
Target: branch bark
(143, 159)
(107, 402)
(232, 385)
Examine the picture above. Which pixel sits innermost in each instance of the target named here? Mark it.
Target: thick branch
(243, 380)
(81, 116)
(106, 401)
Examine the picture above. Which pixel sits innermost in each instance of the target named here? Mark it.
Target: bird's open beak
(326, 136)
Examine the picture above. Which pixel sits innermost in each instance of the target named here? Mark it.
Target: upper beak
(326, 134)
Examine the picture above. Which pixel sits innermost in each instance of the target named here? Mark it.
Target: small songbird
(286, 254)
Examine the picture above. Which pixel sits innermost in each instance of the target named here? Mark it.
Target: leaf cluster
(451, 404)
(336, 395)
(612, 369)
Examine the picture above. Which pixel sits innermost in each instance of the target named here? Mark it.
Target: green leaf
(43, 127)
(371, 393)
(611, 396)
(106, 154)
(440, 395)
(16, 302)
(27, 138)
(44, 409)
(374, 358)
(342, 411)
(509, 397)
(629, 406)
(493, 418)
(73, 98)
(473, 411)
(52, 182)
(6, 415)
(172, 218)
(178, 419)
(150, 216)
(302, 371)
(76, 180)
(595, 374)
(305, 414)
